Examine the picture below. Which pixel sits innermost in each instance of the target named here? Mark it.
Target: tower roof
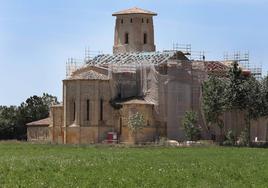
(134, 10)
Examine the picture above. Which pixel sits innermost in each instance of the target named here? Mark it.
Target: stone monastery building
(101, 96)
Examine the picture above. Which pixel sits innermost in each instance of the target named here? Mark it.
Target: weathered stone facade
(134, 31)
(99, 97)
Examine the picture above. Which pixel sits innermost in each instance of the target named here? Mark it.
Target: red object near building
(111, 137)
(246, 73)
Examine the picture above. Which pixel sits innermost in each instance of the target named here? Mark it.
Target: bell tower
(134, 31)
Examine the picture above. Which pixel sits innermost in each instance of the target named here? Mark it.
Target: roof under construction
(155, 58)
(134, 10)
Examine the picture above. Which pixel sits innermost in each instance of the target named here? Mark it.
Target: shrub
(189, 122)
(230, 139)
(243, 138)
(135, 123)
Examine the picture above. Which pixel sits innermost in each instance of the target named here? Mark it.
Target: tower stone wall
(134, 33)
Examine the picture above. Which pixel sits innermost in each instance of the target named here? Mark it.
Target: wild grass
(37, 165)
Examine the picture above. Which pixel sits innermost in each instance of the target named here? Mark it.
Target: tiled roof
(89, 75)
(216, 66)
(42, 122)
(135, 101)
(134, 10)
(211, 66)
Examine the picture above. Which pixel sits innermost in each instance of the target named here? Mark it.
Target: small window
(122, 21)
(147, 21)
(131, 20)
(101, 109)
(145, 38)
(142, 20)
(88, 103)
(126, 38)
(74, 111)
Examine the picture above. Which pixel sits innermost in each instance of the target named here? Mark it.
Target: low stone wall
(146, 134)
(92, 135)
(79, 135)
(38, 134)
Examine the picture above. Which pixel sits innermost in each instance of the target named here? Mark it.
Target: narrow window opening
(147, 21)
(120, 130)
(145, 38)
(122, 21)
(74, 111)
(142, 20)
(126, 38)
(131, 20)
(101, 109)
(88, 110)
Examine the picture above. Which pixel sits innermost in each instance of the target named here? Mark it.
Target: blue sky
(37, 37)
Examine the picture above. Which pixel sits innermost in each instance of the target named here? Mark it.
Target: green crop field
(36, 165)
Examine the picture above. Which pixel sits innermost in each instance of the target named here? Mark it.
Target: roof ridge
(134, 10)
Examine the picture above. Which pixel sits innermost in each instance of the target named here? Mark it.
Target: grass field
(33, 165)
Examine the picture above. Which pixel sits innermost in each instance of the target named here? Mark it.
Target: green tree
(8, 121)
(214, 101)
(33, 109)
(189, 122)
(245, 94)
(13, 119)
(264, 85)
(135, 123)
(235, 92)
(253, 101)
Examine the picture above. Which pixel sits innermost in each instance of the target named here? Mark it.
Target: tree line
(13, 119)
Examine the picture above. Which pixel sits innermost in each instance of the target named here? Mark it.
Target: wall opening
(131, 20)
(74, 111)
(88, 102)
(126, 38)
(122, 21)
(145, 38)
(101, 109)
(120, 126)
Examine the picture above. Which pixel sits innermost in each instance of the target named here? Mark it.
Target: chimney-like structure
(134, 31)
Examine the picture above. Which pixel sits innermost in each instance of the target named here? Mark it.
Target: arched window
(126, 38)
(145, 38)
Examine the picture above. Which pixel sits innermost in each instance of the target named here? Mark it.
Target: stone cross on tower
(134, 31)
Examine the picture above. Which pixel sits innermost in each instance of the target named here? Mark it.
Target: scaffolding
(90, 54)
(198, 55)
(186, 49)
(244, 62)
(72, 65)
(241, 58)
